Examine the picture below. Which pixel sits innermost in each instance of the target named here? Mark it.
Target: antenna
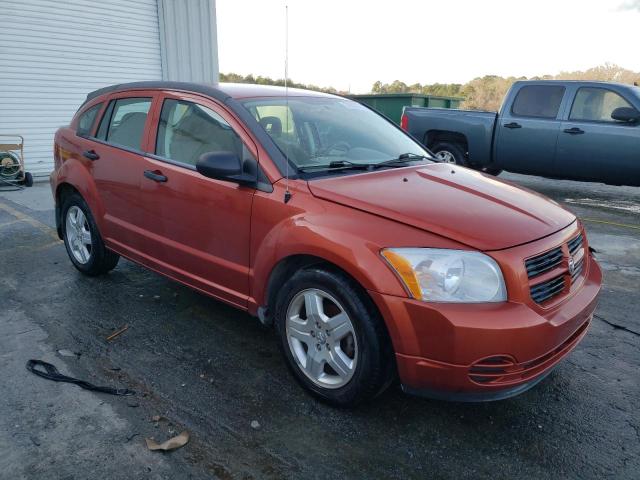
(287, 193)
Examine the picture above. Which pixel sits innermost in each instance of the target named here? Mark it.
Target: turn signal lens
(405, 271)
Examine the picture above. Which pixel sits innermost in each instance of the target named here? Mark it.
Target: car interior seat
(129, 132)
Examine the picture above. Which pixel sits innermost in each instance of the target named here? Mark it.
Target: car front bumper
(482, 352)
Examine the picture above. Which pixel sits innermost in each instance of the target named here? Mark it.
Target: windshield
(322, 131)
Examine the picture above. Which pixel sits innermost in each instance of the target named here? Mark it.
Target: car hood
(455, 202)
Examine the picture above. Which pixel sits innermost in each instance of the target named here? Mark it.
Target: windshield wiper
(401, 160)
(337, 165)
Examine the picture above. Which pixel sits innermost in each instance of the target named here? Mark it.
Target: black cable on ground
(51, 373)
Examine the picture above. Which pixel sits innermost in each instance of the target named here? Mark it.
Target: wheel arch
(63, 190)
(432, 137)
(73, 177)
(288, 266)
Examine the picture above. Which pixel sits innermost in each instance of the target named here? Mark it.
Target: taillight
(404, 122)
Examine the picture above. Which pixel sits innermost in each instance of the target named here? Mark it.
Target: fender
(73, 171)
(332, 232)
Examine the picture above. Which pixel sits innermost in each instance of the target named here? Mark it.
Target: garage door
(53, 52)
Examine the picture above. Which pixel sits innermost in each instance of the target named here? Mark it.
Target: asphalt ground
(211, 370)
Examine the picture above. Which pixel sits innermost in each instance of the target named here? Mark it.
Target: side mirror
(225, 166)
(626, 114)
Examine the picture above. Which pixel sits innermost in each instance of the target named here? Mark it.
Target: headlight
(439, 275)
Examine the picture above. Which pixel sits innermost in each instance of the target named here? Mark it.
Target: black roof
(219, 91)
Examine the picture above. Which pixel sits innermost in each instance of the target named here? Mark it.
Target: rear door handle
(155, 176)
(512, 125)
(574, 131)
(91, 155)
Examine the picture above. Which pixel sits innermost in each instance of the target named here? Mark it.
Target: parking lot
(204, 367)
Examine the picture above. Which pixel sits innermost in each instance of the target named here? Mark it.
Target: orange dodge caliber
(324, 219)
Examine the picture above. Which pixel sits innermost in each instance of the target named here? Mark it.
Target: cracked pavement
(212, 370)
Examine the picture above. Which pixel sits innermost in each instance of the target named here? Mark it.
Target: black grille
(544, 291)
(577, 270)
(574, 244)
(543, 263)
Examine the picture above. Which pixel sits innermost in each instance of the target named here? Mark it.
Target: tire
(88, 255)
(28, 179)
(450, 153)
(366, 347)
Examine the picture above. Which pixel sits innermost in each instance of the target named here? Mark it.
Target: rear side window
(540, 101)
(188, 130)
(86, 121)
(596, 104)
(123, 122)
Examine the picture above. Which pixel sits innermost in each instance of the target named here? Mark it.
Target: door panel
(197, 229)
(593, 146)
(118, 169)
(527, 133)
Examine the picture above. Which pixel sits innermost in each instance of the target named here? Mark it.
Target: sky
(350, 44)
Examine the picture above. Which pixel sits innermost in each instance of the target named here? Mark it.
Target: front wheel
(82, 238)
(332, 337)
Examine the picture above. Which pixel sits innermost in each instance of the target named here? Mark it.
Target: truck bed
(476, 126)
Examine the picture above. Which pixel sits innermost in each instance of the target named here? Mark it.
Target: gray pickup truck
(574, 130)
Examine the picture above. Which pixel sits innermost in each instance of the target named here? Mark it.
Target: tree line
(482, 93)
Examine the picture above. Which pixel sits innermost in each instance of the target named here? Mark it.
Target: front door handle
(512, 125)
(574, 131)
(91, 155)
(155, 176)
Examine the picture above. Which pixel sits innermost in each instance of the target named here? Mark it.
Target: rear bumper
(484, 352)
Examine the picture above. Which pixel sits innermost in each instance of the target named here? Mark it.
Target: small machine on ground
(12, 172)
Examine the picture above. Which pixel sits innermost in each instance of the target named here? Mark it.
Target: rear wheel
(446, 152)
(332, 337)
(82, 238)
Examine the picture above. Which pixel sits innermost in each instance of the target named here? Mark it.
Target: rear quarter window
(538, 101)
(86, 121)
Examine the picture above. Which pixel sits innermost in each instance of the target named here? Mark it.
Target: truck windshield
(317, 132)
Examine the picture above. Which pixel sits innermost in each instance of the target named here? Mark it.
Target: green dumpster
(391, 104)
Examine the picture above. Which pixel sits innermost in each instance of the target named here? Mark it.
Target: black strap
(52, 373)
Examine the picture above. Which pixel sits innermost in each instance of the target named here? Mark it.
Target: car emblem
(572, 265)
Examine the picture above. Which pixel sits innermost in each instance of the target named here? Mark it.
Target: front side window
(86, 120)
(324, 131)
(596, 104)
(123, 122)
(539, 101)
(187, 131)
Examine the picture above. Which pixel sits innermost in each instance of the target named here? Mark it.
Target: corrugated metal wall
(53, 52)
(188, 37)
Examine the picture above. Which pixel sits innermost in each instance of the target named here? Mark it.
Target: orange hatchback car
(325, 219)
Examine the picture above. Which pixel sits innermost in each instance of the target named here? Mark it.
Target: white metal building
(53, 52)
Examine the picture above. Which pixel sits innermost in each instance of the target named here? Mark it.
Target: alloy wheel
(78, 234)
(321, 338)
(445, 156)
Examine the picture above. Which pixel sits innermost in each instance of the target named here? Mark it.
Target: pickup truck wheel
(82, 238)
(332, 337)
(449, 153)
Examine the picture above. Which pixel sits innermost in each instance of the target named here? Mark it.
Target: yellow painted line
(636, 227)
(30, 220)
